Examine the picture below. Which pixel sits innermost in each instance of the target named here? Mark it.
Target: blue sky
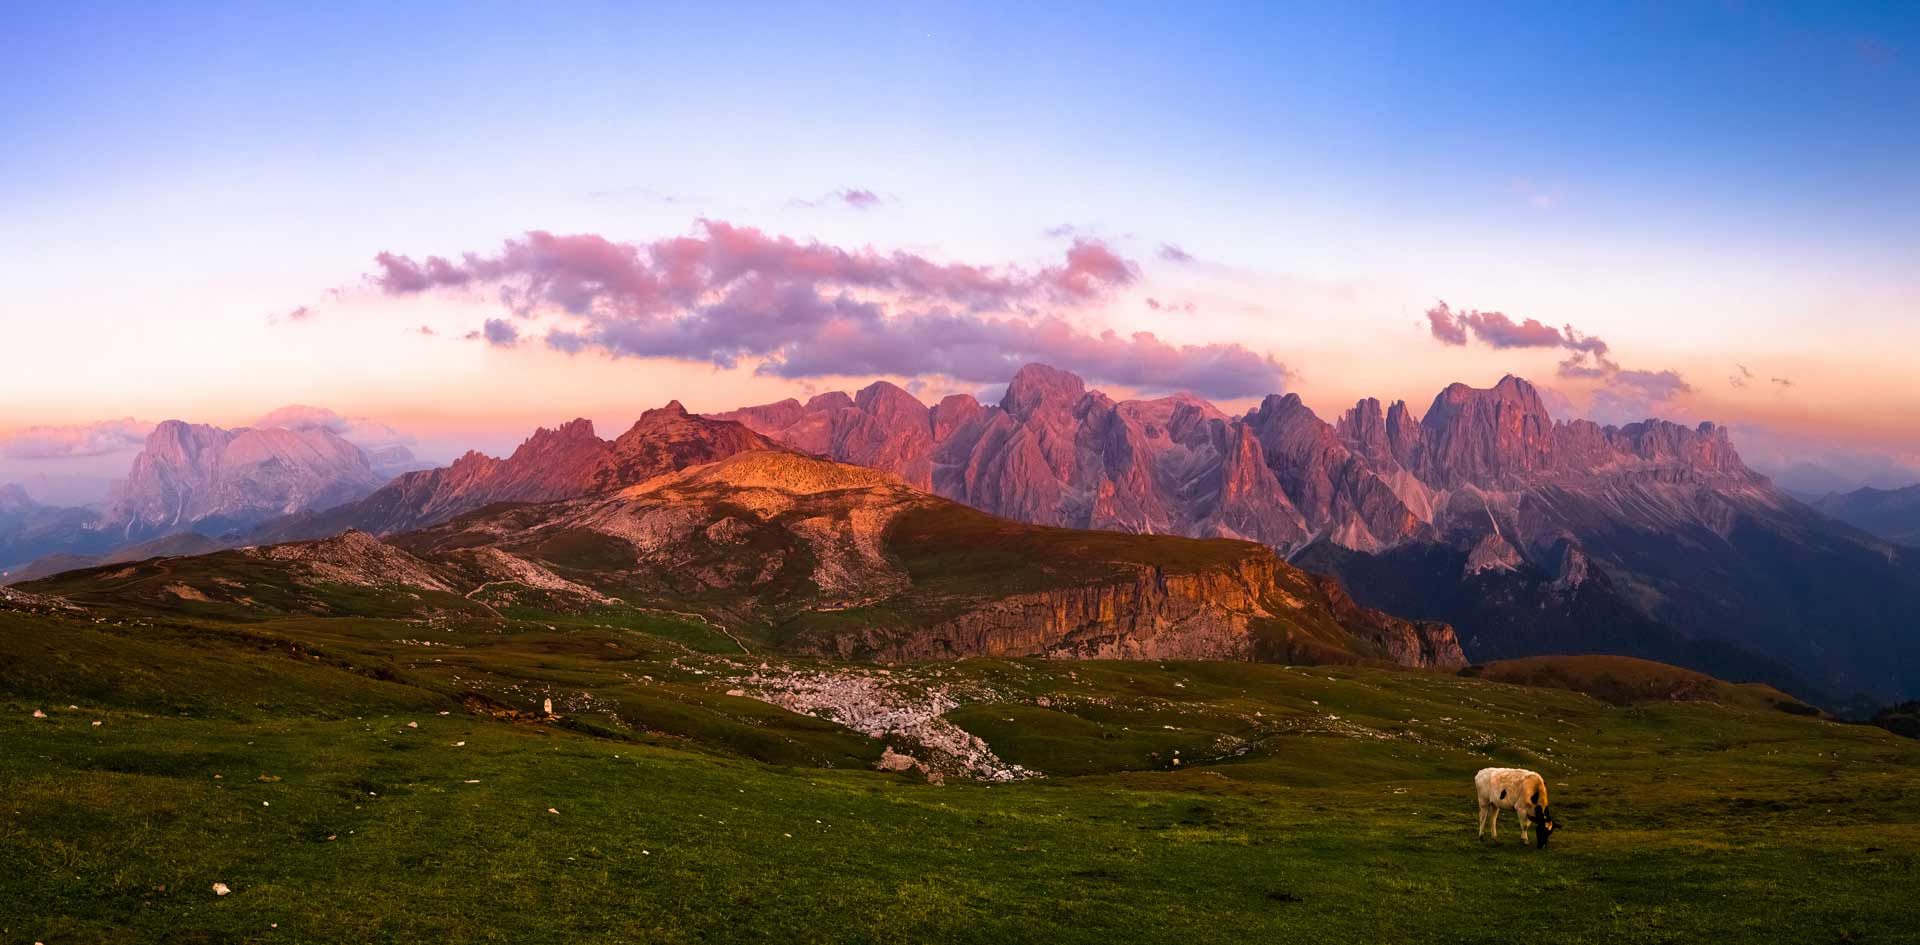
(1703, 184)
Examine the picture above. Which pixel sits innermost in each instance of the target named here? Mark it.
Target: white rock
(552, 811)
(39, 714)
(220, 889)
(413, 724)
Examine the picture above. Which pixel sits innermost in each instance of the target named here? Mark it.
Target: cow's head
(1543, 826)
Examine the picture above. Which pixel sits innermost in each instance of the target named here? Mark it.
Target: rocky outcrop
(358, 559)
(1255, 607)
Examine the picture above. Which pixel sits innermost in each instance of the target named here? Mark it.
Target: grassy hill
(395, 780)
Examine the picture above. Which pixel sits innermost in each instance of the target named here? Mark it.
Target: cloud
(1498, 330)
(1445, 328)
(360, 431)
(1783, 381)
(1740, 379)
(1188, 306)
(500, 333)
(71, 441)
(1620, 394)
(428, 331)
(1172, 253)
(858, 198)
(1637, 395)
(807, 309)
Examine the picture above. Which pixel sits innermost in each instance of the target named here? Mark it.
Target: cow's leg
(1494, 819)
(1483, 820)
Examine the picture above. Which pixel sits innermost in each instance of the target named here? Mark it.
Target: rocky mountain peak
(890, 404)
(573, 431)
(1364, 429)
(831, 400)
(1490, 438)
(1039, 386)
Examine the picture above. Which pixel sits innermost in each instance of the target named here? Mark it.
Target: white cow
(1519, 790)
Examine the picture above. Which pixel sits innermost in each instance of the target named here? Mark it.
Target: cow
(1519, 790)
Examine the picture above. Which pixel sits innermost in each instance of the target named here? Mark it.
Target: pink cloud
(858, 199)
(360, 431)
(1498, 330)
(1445, 328)
(809, 309)
(1620, 390)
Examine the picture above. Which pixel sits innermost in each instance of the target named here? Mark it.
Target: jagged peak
(1276, 406)
(578, 426)
(831, 400)
(1037, 385)
(885, 397)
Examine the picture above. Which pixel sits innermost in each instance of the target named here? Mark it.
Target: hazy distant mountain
(1893, 514)
(29, 530)
(1486, 490)
(195, 477)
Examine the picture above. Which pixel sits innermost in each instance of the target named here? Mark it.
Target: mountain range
(798, 553)
(1528, 534)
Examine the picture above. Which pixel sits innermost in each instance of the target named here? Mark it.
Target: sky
(1698, 211)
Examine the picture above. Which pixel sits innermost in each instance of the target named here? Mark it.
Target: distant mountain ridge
(1893, 514)
(1663, 520)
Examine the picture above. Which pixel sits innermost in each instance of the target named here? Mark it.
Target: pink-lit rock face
(1052, 452)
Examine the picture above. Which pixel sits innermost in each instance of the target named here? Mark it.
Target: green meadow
(366, 780)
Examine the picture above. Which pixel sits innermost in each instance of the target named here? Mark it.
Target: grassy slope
(1684, 822)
